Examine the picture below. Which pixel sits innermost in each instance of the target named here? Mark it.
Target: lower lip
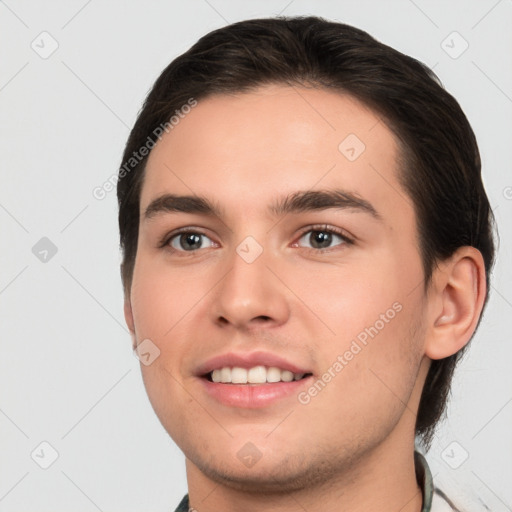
(253, 396)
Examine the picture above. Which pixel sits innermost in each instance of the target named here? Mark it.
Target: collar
(425, 481)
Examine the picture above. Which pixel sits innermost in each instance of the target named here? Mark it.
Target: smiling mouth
(257, 375)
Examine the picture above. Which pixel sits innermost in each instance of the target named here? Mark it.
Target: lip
(251, 396)
(248, 360)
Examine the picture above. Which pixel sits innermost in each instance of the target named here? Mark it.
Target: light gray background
(67, 373)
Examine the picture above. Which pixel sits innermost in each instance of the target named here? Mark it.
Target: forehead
(272, 142)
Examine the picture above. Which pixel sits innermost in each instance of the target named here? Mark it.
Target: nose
(251, 294)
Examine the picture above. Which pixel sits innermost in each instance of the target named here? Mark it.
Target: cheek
(374, 347)
(162, 298)
(160, 303)
(348, 299)
(367, 379)
(160, 309)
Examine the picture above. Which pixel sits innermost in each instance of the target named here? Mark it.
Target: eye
(319, 238)
(188, 241)
(323, 238)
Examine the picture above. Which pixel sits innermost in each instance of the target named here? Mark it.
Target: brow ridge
(297, 202)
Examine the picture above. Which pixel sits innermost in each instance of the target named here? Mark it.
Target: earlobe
(459, 290)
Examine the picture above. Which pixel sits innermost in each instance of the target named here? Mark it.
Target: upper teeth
(255, 375)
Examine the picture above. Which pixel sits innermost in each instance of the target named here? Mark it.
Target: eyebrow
(300, 201)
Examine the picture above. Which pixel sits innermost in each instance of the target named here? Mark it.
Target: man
(306, 254)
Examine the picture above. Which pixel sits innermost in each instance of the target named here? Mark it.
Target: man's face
(332, 292)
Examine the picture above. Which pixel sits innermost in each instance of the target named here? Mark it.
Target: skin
(351, 447)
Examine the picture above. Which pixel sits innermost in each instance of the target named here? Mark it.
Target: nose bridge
(249, 290)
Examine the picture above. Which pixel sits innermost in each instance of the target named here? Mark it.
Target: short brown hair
(440, 159)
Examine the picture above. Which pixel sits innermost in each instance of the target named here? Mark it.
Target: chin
(275, 477)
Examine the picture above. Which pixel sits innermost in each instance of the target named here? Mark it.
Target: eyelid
(331, 229)
(348, 239)
(166, 239)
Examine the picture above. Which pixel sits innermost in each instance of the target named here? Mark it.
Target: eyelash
(324, 228)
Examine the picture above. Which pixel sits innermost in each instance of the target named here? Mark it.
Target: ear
(128, 316)
(456, 298)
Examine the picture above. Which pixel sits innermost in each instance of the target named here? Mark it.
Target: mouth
(254, 376)
(252, 380)
(257, 387)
